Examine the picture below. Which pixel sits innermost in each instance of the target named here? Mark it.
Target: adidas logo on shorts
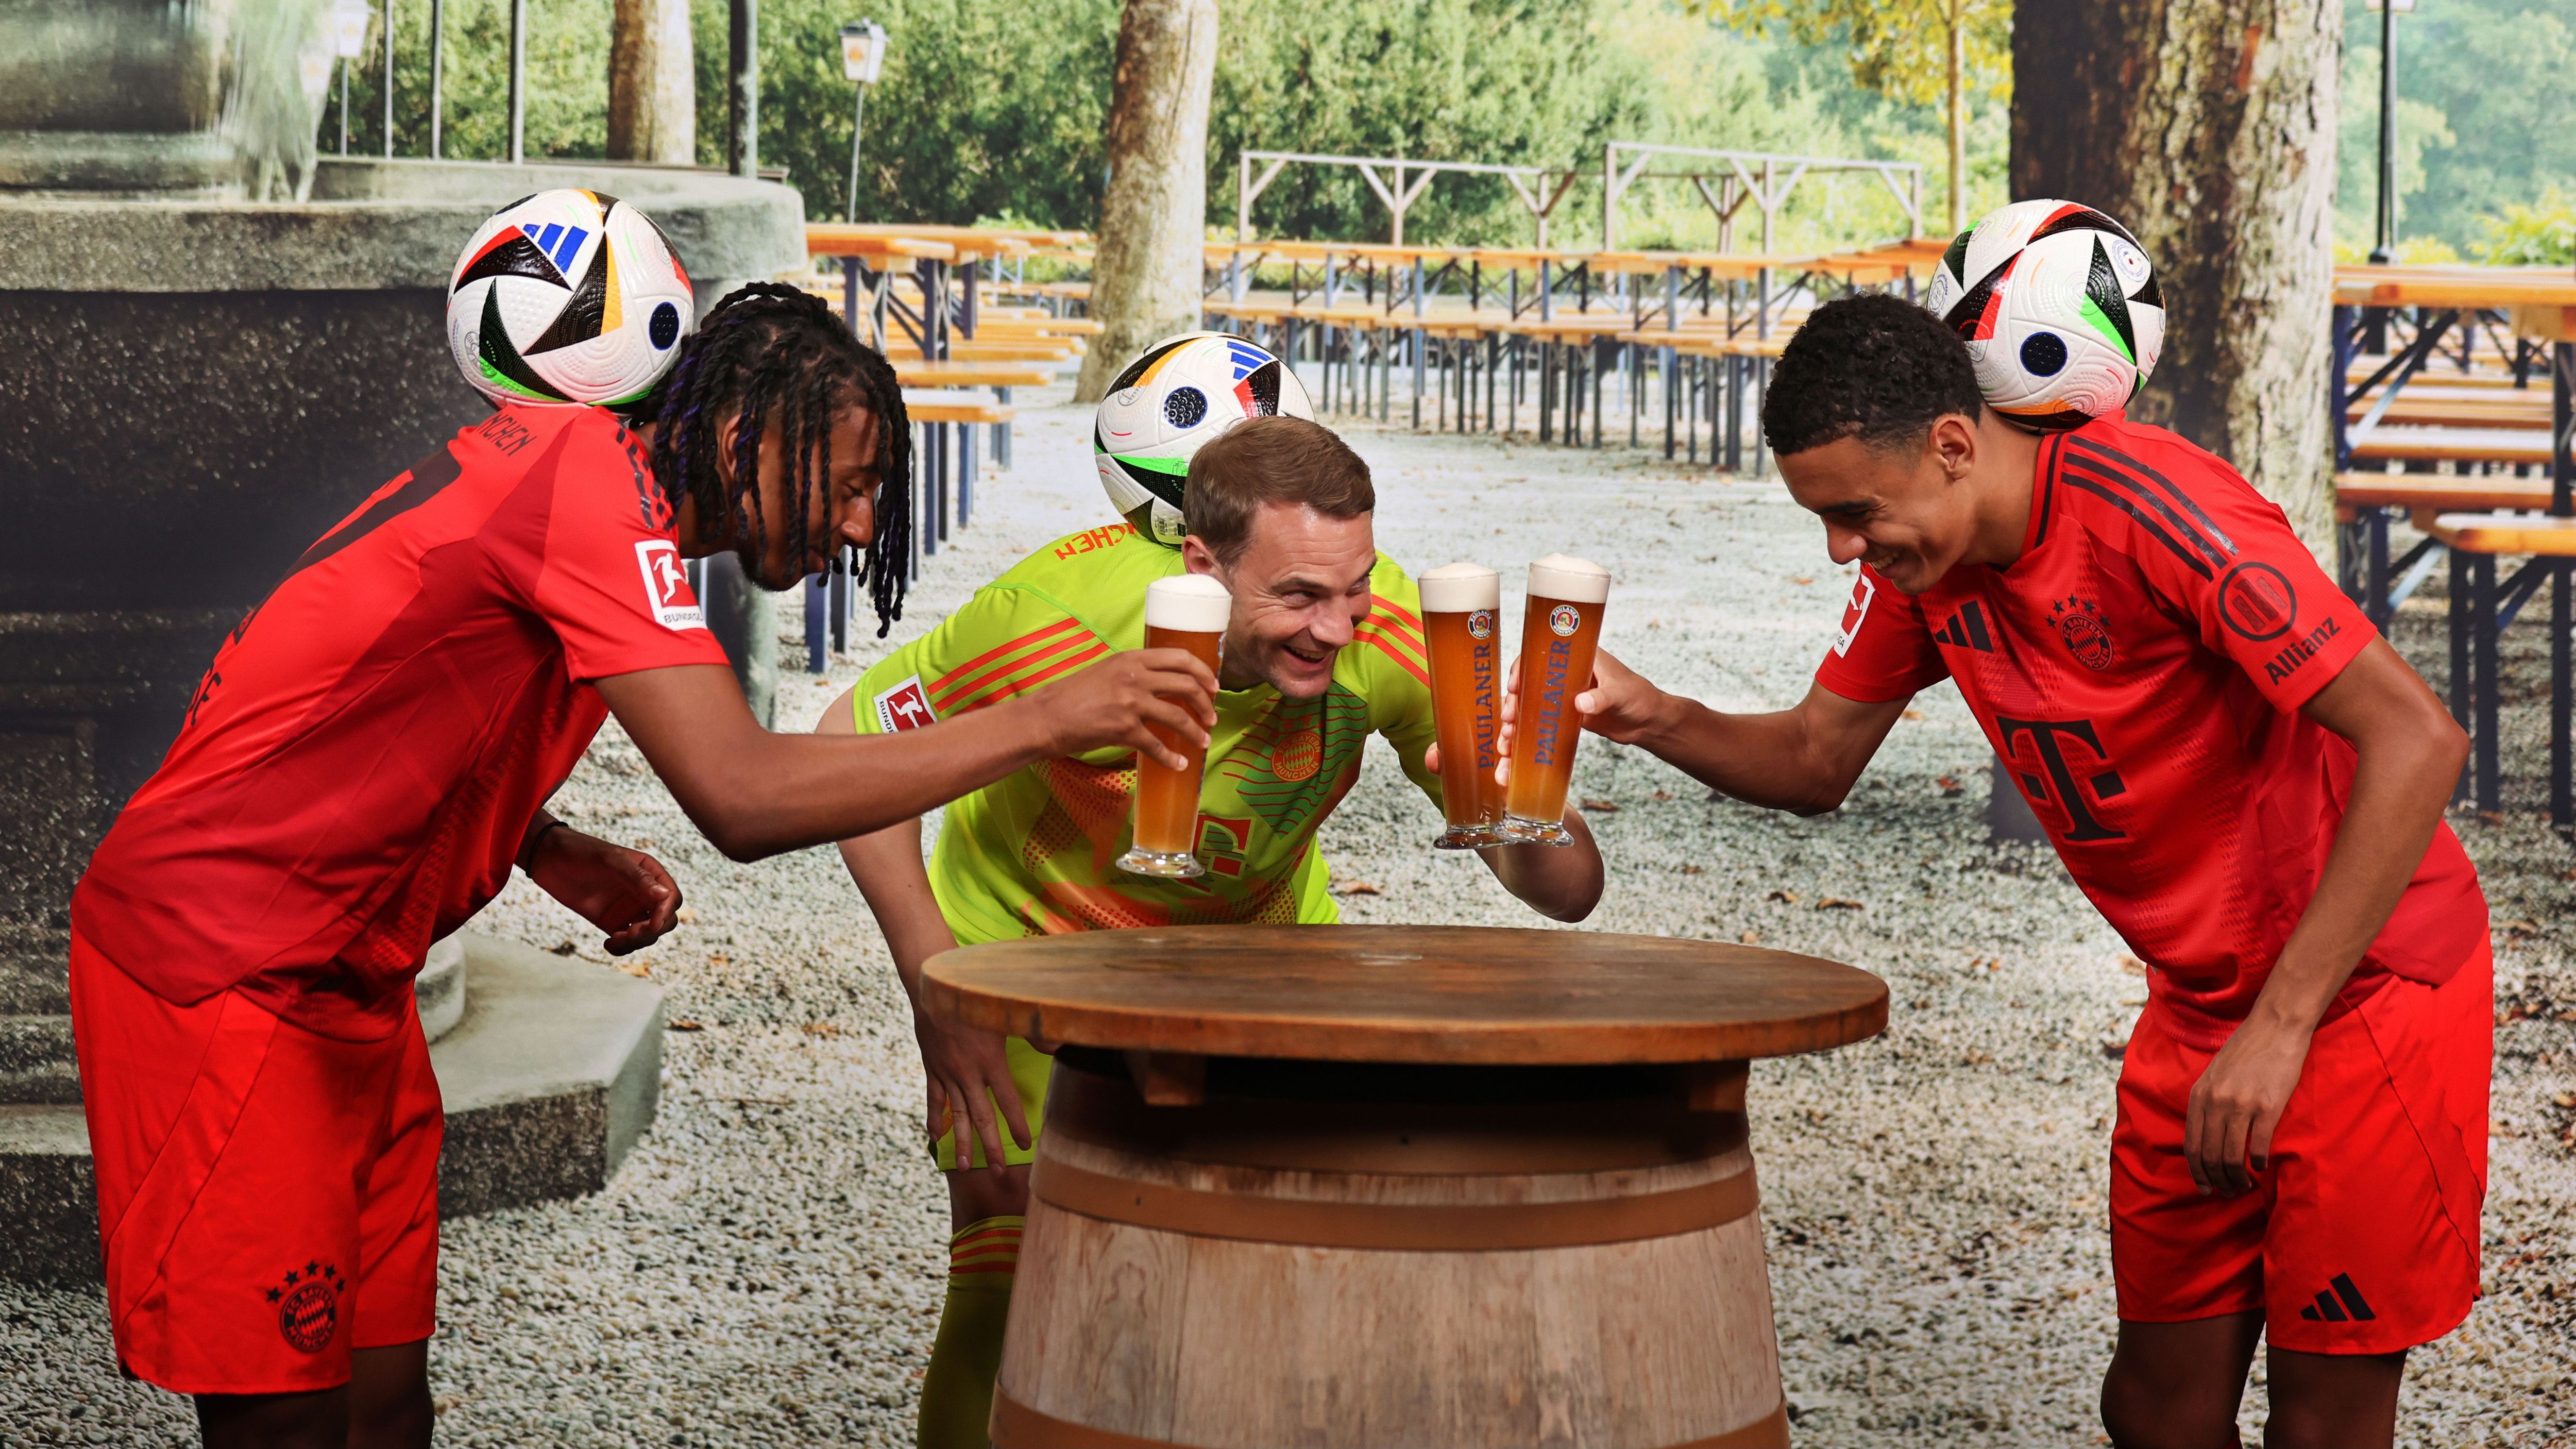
(2344, 1304)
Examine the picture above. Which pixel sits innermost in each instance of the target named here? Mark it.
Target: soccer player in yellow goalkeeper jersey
(1324, 648)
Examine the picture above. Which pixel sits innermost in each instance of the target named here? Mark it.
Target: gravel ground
(766, 1270)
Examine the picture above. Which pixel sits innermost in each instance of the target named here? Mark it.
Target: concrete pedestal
(550, 1069)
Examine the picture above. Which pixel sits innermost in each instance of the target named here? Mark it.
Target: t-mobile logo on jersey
(2058, 783)
(666, 586)
(904, 707)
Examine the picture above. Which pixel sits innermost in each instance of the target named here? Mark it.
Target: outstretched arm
(754, 793)
(968, 1073)
(1805, 758)
(2408, 757)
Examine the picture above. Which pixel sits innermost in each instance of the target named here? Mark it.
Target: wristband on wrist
(528, 848)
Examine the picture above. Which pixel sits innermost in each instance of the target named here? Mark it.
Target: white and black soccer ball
(2060, 310)
(568, 297)
(1167, 404)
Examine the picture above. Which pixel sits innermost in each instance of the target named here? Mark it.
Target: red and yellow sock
(957, 1392)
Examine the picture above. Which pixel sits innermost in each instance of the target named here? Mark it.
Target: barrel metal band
(1400, 1227)
(1017, 1426)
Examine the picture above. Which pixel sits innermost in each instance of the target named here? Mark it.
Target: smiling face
(1300, 586)
(1909, 511)
(841, 511)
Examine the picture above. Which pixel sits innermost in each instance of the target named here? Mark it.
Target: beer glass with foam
(1461, 609)
(1187, 612)
(1559, 633)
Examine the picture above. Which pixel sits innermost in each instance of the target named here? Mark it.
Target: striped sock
(984, 1248)
(957, 1390)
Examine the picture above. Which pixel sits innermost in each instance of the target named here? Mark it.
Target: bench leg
(2376, 598)
(843, 562)
(2562, 799)
(2489, 685)
(2459, 689)
(818, 598)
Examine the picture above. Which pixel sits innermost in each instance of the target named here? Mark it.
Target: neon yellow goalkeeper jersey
(1033, 854)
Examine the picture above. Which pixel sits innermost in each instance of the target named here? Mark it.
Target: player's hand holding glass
(1461, 606)
(1559, 635)
(1186, 612)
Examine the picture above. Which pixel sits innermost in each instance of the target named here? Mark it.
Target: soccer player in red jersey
(368, 756)
(2246, 781)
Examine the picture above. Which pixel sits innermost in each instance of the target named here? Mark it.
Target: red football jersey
(366, 750)
(2140, 668)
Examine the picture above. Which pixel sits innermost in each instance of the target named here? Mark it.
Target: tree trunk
(652, 84)
(1153, 218)
(1958, 116)
(2208, 128)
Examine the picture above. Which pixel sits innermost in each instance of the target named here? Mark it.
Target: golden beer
(1187, 612)
(1462, 607)
(1559, 633)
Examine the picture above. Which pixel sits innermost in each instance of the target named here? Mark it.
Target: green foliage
(996, 111)
(2539, 235)
(2482, 119)
(983, 110)
(1899, 49)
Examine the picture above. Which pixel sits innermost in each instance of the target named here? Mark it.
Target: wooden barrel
(1347, 1254)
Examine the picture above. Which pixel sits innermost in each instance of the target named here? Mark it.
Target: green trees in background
(1948, 53)
(995, 112)
(2483, 111)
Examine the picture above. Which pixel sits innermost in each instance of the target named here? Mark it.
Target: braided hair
(776, 355)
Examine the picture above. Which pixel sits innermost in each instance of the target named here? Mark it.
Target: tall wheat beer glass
(1558, 637)
(1461, 606)
(1186, 611)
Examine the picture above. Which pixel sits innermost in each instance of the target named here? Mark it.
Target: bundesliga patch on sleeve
(1864, 589)
(904, 707)
(666, 586)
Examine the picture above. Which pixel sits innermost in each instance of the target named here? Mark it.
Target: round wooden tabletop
(1430, 994)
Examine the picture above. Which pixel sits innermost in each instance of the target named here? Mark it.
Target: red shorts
(2361, 1235)
(267, 1197)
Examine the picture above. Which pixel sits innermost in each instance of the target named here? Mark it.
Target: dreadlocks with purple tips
(778, 357)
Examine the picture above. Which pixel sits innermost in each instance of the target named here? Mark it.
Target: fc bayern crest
(2079, 623)
(308, 1306)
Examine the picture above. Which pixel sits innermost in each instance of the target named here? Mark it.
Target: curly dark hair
(1875, 367)
(777, 356)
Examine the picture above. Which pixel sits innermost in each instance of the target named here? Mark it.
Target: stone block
(550, 1070)
(48, 1196)
(552, 1074)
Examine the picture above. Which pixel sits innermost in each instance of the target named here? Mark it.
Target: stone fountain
(217, 344)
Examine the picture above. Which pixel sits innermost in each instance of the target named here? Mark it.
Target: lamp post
(349, 41)
(863, 48)
(2383, 250)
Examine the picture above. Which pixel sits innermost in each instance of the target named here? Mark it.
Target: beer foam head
(1460, 587)
(1575, 580)
(1193, 602)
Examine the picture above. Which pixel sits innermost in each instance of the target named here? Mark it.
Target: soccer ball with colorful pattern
(2060, 310)
(1169, 402)
(568, 297)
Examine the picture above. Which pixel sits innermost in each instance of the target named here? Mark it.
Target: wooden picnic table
(914, 372)
(1033, 349)
(2467, 445)
(2425, 495)
(2478, 287)
(879, 248)
(2458, 409)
